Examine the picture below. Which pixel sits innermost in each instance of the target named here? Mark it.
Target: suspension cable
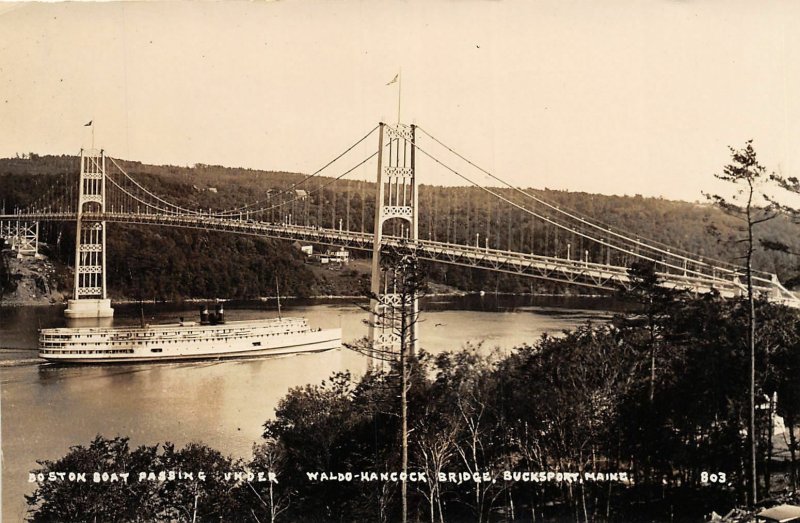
(215, 215)
(319, 188)
(145, 203)
(230, 212)
(128, 176)
(561, 209)
(308, 177)
(547, 219)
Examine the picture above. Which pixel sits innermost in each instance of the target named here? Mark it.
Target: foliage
(134, 499)
(454, 214)
(580, 402)
(746, 172)
(168, 264)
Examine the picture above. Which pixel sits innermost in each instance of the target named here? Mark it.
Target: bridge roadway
(727, 282)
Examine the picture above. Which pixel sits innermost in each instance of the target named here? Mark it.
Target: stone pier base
(89, 309)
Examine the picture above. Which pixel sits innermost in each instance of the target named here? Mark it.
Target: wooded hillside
(165, 263)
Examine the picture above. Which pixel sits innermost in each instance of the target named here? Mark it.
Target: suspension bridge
(546, 241)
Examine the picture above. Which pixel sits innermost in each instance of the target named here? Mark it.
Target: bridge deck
(727, 282)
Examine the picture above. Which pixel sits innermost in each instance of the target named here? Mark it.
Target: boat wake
(21, 362)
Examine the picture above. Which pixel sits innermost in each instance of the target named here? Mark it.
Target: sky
(614, 97)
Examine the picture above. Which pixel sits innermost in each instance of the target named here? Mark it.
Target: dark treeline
(169, 264)
(453, 214)
(659, 394)
(164, 264)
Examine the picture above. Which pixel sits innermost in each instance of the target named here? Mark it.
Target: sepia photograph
(491, 261)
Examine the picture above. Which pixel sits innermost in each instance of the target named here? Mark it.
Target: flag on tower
(88, 124)
(394, 80)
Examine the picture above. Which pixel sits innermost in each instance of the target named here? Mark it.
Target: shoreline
(127, 301)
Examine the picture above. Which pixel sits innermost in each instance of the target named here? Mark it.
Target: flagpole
(92, 126)
(399, 93)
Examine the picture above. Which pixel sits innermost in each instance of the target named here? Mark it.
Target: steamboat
(211, 338)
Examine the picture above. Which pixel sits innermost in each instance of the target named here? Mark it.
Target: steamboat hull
(185, 341)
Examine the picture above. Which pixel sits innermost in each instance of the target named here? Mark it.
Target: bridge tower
(22, 237)
(396, 197)
(89, 298)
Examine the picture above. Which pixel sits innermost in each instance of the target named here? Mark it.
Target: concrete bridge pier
(89, 308)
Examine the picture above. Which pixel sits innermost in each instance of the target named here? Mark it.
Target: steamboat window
(256, 343)
(156, 350)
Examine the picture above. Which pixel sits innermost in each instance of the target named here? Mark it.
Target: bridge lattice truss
(516, 231)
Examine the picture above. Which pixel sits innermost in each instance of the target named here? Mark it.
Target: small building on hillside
(338, 258)
(341, 256)
(306, 249)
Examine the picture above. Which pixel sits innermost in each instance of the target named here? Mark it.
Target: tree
(751, 208)
(435, 439)
(314, 426)
(656, 302)
(275, 499)
(83, 501)
(129, 499)
(467, 383)
(196, 498)
(396, 314)
(408, 283)
(788, 360)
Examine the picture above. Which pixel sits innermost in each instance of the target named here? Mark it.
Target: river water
(47, 408)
